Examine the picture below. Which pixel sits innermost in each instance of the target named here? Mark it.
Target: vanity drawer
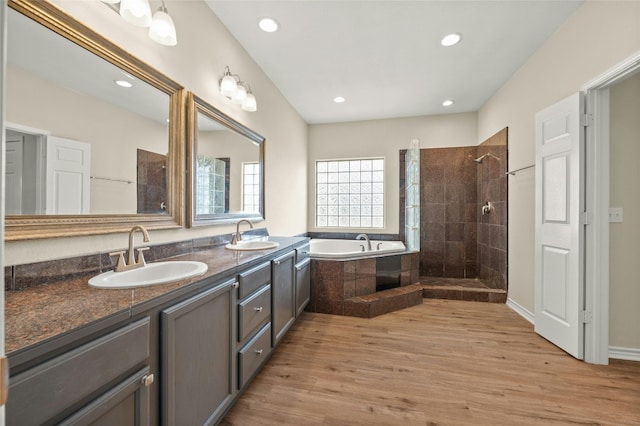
(253, 355)
(43, 392)
(302, 253)
(253, 279)
(253, 312)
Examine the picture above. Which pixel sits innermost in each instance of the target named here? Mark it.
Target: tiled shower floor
(460, 289)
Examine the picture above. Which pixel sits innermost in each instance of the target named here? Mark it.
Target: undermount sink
(252, 245)
(150, 274)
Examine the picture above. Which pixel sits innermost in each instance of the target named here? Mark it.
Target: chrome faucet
(237, 236)
(132, 263)
(364, 236)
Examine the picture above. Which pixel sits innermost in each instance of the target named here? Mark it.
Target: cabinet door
(198, 382)
(127, 404)
(303, 285)
(283, 295)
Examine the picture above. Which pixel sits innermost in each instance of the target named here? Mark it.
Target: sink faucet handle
(120, 263)
(141, 260)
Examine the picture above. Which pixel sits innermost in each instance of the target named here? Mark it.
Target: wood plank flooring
(443, 362)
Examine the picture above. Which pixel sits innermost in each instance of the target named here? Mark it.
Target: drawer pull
(276, 262)
(148, 380)
(258, 351)
(258, 309)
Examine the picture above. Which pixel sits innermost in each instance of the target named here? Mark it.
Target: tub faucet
(364, 236)
(132, 263)
(237, 236)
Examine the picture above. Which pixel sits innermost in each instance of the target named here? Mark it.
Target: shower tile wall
(492, 228)
(448, 217)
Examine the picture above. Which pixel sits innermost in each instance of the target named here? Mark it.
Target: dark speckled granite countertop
(36, 314)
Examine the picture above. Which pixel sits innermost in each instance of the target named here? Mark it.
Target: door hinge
(586, 218)
(586, 120)
(586, 317)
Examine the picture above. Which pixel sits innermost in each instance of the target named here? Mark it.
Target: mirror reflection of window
(212, 185)
(251, 187)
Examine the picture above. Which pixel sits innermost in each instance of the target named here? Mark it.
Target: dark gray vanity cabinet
(283, 290)
(100, 382)
(198, 361)
(254, 321)
(303, 278)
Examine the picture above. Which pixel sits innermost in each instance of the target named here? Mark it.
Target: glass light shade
(228, 85)
(240, 95)
(162, 29)
(111, 1)
(250, 103)
(136, 12)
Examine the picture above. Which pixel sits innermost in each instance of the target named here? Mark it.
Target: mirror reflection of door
(46, 174)
(13, 175)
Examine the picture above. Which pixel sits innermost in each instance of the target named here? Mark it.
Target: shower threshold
(468, 289)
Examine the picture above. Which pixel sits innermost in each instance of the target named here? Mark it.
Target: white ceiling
(385, 57)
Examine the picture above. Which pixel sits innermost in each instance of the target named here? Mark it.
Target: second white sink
(151, 274)
(252, 245)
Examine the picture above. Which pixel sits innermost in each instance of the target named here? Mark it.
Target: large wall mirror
(225, 169)
(86, 155)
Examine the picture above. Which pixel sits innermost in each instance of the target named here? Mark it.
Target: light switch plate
(615, 215)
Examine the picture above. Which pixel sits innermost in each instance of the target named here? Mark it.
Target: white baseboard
(520, 310)
(630, 354)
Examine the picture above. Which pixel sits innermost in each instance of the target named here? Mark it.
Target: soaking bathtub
(352, 249)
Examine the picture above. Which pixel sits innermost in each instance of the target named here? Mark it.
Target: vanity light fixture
(136, 12)
(238, 91)
(451, 39)
(162, 30)
(447, 103)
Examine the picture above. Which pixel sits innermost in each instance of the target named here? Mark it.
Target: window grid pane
(251, 187)
(350, 193)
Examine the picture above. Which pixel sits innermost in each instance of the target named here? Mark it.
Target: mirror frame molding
(42, 226)
(197, 105)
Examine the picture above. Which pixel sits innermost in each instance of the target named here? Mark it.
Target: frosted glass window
(211, 185)
(251, 187)
(350, 193)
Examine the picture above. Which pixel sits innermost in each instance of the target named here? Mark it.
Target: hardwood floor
(443, 362)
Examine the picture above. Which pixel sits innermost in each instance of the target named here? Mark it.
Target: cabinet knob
(236, 284)
(276, 262)
(258, 351)
(258, 309)
(148, 380)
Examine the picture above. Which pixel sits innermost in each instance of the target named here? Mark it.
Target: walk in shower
(463, 219)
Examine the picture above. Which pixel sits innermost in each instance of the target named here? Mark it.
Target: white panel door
(13, 175)
(559, 280)
(68, 176)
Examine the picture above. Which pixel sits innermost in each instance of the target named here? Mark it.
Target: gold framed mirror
(129, 144)
(225, 167)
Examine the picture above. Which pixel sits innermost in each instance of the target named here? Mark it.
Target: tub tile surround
(349, 287)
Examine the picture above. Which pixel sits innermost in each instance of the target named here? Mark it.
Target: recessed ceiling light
(268, 25)
(123, 83)
(447, 103)
(451, 39)
(338, 99)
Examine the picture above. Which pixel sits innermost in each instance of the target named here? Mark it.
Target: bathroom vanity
(176, 354)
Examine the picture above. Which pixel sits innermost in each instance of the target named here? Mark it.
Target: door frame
(597, 203)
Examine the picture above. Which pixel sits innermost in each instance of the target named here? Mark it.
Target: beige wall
(384, 138)
(624, 285)
(596, 37)
(204, 48)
